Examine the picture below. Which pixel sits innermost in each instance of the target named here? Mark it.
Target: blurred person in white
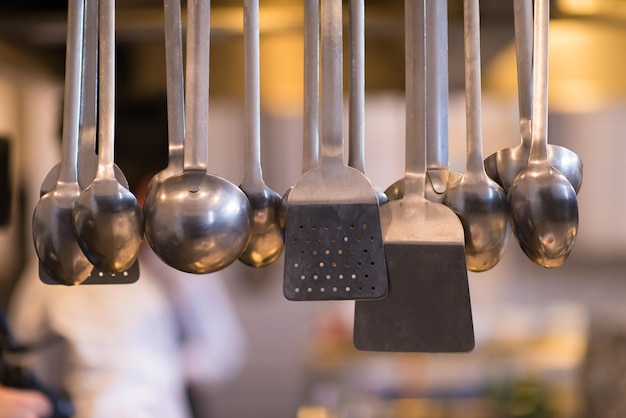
(15, 403)
(132, 350)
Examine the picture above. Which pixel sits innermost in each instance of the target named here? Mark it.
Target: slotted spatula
(333, 238)
(428, 306)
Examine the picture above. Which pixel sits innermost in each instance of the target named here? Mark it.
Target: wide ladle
(196, 222)
(356, 118)
(107, 217)
(504, 165)
(53, 234)
(175, 93)
(543, 206)
(477, 200)
(310, 143)
(266, 241)
(439, 175)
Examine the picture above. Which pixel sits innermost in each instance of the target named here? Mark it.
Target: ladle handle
(415, 51)
(539, 146)
(106, 104)
(197, 85)
(356, 130)
(253, 172)
(175, 81)
(89, 79)
(310, 150)
(523, 21)
(71, 110)
(437, 84)
(473, 96)
(332, 82)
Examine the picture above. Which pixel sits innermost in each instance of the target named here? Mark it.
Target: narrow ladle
(266, 241)
(504, 165)
(542, 202)
(175, 93)
(107, 217)
(53, 233)
(196, 222)
(477, 200)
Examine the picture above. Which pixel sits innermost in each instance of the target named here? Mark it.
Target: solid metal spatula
(333, 238)
(428, 306)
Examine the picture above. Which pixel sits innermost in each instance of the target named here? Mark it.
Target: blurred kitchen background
(550, 343)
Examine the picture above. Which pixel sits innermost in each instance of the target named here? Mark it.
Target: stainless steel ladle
(543, 205)
(266, 241)
(477, 200)
(107, 217)
(196, 222)
(504, 165)
(53, 233)
(175, 93)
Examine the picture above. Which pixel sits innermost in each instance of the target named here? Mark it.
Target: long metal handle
(175, 82)
(311, 85)
(539, 146)
(106, 102)
(415, 99)
(197, 85)
(473, 87)
(356, 130)
(437, 84)
(523, 21)
(71, 111)
(332, 82)
(89, 90)
(252, 146)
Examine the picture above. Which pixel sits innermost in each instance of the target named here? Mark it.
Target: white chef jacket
(130, 350)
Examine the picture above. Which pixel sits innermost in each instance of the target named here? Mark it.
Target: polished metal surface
(542, 202)
(266, 240)
(175, 91)
(439, 175)
(310, 144)
(477, 200)
(107, 217)
(504, 165)
(195, 222)
(53, 234)
(356, 116)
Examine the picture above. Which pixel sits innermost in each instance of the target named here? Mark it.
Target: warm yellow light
(587, 66)
(579, 7)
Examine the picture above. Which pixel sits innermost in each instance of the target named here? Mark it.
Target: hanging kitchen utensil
(266, 240)
(200, 223)
(310, 145)
(175, 93)
(356, 119)
(333, 237)
(478, 201)
(87, 157)
(439, 175)
(108, 219)
(543, 206)
(53, 233)
(504, 165)
(428, 306)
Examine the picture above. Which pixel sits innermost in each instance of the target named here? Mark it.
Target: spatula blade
(428, 306)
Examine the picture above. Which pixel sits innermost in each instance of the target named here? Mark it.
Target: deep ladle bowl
(109, 223)
(544, 214)
(197, 223)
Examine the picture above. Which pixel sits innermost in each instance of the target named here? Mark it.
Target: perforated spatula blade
(333, 236)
